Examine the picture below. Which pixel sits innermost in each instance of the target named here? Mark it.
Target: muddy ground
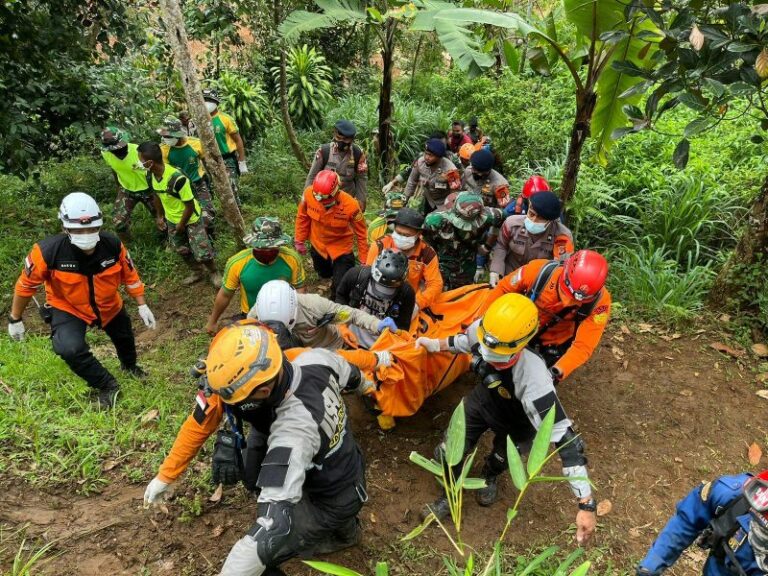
(659, 414)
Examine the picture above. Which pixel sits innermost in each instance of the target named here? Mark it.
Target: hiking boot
(107, 396)
(488, 495)
(136, 371)
(196, 276)
(216, 280)
(340, 541)
(439, 508)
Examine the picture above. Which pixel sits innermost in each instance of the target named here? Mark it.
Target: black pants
(68, 337)
(334, 269)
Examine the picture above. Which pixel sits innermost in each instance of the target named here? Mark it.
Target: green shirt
(223, 128)
(247, 273)
(173, 190)
(186, 158)
(131, 179)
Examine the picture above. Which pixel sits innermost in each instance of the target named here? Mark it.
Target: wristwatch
(588, 506)
(12, 320)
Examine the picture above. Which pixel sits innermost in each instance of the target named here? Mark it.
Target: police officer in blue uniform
(728, 517)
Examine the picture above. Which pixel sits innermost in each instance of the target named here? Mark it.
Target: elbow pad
(355, 378)
(571, 448)
(272, 529)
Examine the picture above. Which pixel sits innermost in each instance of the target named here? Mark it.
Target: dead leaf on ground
(763, 394)
(686, 392)
(645, 327)
(754, 454)
(725, 318)
(373, 518)
(720, 347)
(604, 507)
(109, 465)
(625, 364)
(618, 353)
(625, 330)
(151, 417)
(217, 494)
(618, 337)
(634, 532)
(218, 531)
(760, 350)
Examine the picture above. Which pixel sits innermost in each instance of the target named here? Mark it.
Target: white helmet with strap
(277, 301)
(78, 210)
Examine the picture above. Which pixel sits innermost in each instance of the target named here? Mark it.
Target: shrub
(308, 82)
(246, 101)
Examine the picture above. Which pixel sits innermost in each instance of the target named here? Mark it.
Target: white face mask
(535, 227)
(84, 241)
(492, 357)
(211, 107)
(404, 242)
(169, 141)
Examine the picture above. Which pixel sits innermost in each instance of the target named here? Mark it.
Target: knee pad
(272, 530)
(572, 449)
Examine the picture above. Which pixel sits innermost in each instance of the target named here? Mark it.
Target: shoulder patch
(358, 216)
(601, 310)
(28, 266)
(705, 491)
(201, 407)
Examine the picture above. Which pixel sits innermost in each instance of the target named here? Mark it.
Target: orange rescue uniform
(552, 301)
(332, 231)
(72, 292)
(193, 435)
(423, 269)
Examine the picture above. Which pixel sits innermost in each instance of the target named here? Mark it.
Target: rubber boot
(346, 537)
(439, 508)
(106, 396)
(136, 371)
(195, 276)
(488, 495)
(213, 274)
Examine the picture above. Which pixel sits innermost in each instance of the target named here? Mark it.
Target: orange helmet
(242, 357)
(325, 186)
(466, 151)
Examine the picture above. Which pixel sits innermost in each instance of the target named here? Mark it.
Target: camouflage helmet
(392, 204)
(112, 138)
(211, 95)
(266, 233)
(466, 210)
(171, 128)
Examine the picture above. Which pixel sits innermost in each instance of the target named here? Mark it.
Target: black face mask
(342, 146)
(121, 152)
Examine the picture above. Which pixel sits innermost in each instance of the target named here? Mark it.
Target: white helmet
(78, 210)
(277, 301)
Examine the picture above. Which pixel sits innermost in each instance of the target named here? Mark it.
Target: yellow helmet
(508, 324)
(242, 357)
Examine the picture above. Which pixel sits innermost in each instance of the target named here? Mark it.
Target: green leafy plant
(246, 100)
(23, 564)
(308, 80)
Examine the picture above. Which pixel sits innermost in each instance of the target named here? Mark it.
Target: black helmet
(211, 95)
(410, 218)
(390, 268)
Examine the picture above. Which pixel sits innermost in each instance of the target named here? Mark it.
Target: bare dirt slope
(658, 416)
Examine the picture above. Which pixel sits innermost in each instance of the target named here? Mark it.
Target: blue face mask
(535, 227)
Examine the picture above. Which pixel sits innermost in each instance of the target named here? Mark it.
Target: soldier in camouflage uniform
(480, 177)
(385, 222)
(186, 154)
(433, 176)
(463, 234)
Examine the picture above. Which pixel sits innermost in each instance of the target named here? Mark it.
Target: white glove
(147, 317)
(242, 167)
(429, 344)
(479, 273)
(387, 188)
(493, 279)
(16, 330)
(384, 359)
(154, 491)
(366, 387)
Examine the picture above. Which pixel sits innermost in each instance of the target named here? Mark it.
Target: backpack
(721, 529)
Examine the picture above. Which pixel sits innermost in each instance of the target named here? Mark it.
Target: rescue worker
(269, 256)
(457, 137)
(483, 179)
(330, 219)
(131, 180)
(537, 234)
(465, 153)
(380, 290)
(405, 173)
(176, 205)
(463, 235)
(311, 474)
(514, 394)
(433, 176)
(82, 269)
(345, 158)
(384, 223)
(423, 267)
(574, 307)
(312, 320)
(186, 154)
(533, 185)
(228, 139)
(474, 133)
(728, 517)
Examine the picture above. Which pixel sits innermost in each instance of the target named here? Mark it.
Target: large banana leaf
(594, 17)
(334, 12)
(464, 47)
(609, 114)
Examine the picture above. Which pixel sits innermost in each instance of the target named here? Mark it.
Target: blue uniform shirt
(694, 513)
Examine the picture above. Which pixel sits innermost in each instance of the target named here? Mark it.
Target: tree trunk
(177, 36)
(751, 250)
(585, 106)
(386, 141)
(415, 61)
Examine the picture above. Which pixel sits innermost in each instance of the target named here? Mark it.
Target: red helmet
(756, 493)
(325, 185)
(535, 184)
(584, 275)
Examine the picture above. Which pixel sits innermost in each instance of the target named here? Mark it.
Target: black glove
(227, 461)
